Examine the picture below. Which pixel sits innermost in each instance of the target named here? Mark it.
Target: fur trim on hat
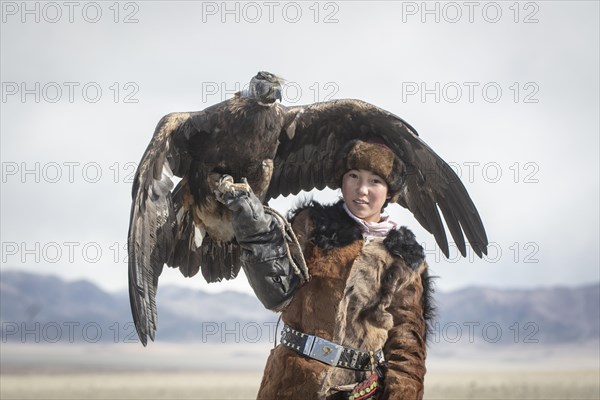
(374, 157)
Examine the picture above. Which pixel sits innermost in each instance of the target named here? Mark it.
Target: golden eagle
(280, 150)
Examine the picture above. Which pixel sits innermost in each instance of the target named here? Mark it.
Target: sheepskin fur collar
(334, 228)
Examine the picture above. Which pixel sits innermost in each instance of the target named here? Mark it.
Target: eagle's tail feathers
(219, 260)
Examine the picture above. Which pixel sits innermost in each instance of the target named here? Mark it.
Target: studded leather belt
(328, 352)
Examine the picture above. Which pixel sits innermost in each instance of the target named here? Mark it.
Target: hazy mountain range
(41, 308)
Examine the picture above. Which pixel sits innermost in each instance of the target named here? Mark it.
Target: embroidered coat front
(368, 294)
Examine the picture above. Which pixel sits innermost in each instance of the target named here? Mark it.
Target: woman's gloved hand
(264, 258)
(249, 218)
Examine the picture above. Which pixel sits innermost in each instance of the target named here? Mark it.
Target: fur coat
(365, 294)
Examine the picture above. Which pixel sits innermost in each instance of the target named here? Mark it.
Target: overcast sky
(506, 92)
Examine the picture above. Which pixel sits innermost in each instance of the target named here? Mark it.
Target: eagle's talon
(242, 187)
(226, 185)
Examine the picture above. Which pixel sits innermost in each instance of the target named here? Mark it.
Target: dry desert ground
(204, 371)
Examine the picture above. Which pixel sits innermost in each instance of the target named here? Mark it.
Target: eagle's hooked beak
(277, 93)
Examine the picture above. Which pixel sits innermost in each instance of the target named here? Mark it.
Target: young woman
(362, 316)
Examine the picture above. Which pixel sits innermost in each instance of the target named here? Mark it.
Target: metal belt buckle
(326, 351)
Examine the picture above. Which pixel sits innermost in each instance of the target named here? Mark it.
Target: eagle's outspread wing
(314, 134)
(152, 223)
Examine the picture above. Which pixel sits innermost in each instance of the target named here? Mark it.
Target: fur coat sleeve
(405, 348)
(411, 310)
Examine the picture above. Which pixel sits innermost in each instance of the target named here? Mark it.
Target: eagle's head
(265, 87)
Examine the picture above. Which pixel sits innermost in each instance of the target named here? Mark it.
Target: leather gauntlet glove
(263, 256)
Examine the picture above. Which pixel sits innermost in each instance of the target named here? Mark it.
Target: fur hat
(374, 157)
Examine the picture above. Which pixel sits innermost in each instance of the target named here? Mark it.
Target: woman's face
(364, 194)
